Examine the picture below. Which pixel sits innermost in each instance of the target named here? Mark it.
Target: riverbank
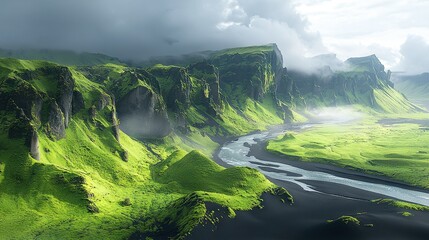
(307, 217)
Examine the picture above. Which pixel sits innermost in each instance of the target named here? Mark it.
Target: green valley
(112, 151)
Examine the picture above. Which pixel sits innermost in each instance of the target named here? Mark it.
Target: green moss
(345, 220)
(406, 214)
(402, 204)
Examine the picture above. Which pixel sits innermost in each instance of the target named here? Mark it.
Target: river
(236, 153)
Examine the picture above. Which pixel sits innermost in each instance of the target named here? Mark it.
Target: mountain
(64, 57)
(415, 87)
(109, 151)
(361, 81)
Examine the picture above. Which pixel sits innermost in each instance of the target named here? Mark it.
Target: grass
(345, 220)
(163, 184)
(246, 50)
(398, 151)
(402, 204)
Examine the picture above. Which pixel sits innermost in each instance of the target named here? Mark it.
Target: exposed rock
(65, 86)
(24, 96)
(56, 123)
(77, 102)
(176, 87)
(115, 124)
(103, 101)
(92, 112)
(249, 71)
(210, 92)
(22, 128)
(34, 145)
(143, 114)
(124, 156)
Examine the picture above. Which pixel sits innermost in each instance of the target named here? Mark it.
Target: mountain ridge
(112, 146)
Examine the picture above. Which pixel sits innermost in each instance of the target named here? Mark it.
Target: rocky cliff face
(208, 91)
(175, 86)
(251, 71)
(22, 128)
(142, 114)
(56, 126)
(364, 81)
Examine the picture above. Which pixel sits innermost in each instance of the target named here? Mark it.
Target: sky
(396, 31)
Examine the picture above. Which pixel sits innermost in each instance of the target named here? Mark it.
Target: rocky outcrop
(103, 101)
(78, 102)
(115, 122)
(370, 64)
(209, 90)
(34, 145)
(24, 96)
(143, 114)
(56, 123)
(22, 128)
(175, 86)
(65, 92)
(286, 89)
(251, 71)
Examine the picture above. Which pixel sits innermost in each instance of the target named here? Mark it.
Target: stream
(236, 153)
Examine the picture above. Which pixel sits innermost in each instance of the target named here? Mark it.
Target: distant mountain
(415, 87)
(64, 57)
(364, 81)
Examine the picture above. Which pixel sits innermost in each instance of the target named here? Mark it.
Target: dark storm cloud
(134, 29)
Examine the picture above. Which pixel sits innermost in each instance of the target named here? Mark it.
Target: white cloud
(415, 55)
(357, 28)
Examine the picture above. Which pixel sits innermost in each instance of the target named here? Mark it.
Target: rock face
(175, 86)
(286, 89)
(364, 81)
(143, 114)
(56, 123)
(370, 64)
(64, 92)
(78, 102)
(209, 92)
(22, 128)
(251, 71)
(34, 145)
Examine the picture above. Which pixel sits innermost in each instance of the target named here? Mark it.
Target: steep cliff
(249, 71)
(360, 81)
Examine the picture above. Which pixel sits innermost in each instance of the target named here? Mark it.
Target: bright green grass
(345, 220)
(402, 204)
(246, 50)
(399, 151)
(48, 199)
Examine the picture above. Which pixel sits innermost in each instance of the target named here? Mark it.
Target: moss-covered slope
(67, 171)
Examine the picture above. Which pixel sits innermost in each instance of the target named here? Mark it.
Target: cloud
(138, 29)
(415, 55)
(359, 28)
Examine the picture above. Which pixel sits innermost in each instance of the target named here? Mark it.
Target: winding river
(236, 153)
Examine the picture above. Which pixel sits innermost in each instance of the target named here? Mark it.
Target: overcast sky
(396, 31)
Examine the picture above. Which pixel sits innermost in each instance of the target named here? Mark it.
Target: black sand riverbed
(307, 217)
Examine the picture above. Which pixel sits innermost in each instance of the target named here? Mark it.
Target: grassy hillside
(93, 182)
(68, 171)
(414, 87)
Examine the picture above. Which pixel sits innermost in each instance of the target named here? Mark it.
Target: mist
(334, 115)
